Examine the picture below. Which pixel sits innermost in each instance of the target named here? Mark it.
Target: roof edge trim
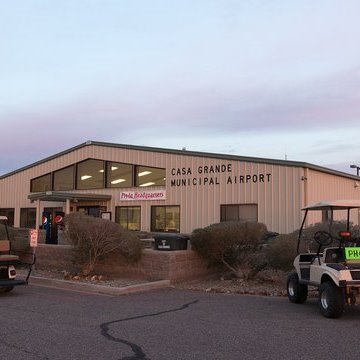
(186, 152)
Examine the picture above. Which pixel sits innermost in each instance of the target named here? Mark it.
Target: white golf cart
(11, 259)
(335, 269)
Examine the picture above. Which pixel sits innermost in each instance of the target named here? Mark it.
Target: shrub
(281, 252)
(92, 238)
(307, 238)
(227, 243)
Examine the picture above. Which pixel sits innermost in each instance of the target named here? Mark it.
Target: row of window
(167, 218)
(163, 218)
(99, 174)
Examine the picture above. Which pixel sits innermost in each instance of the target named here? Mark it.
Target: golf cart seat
(5, 256)
(307, 257)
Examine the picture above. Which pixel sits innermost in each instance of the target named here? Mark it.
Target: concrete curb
(98, 289)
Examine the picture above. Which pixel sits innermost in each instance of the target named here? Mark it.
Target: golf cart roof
(334, 204)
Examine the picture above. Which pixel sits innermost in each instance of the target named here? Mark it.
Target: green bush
(92, 238)
(227, 243)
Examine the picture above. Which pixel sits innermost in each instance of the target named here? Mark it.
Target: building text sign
(143, 195)
(214, 175)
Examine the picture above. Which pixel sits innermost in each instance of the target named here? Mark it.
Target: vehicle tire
(331, 300)
(297, 293)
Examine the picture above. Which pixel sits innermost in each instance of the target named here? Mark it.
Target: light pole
(357, 169)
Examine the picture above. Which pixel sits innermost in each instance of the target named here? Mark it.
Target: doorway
(52, 223)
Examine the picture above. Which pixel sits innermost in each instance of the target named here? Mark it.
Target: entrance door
(52, 220)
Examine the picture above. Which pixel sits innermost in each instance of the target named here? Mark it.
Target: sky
(275, 79)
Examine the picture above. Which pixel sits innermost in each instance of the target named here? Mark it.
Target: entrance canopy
(61, 196)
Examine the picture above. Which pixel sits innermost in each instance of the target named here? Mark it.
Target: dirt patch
(266, 283)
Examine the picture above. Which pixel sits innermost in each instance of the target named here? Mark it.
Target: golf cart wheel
(297, 293)
(331, 300)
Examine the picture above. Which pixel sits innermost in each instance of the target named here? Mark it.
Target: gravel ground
(266, 283)
(94, 279)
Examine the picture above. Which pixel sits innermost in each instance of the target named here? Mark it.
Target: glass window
(28, 218)
(119, 175)
(165, 218)
(94, 211)
(90, 174)
(149, 176)
(9, 213)
(41, 183)
(129, 217)
(239, 212)
(64, 179)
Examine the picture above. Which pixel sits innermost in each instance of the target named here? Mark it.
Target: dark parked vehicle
(10, 260)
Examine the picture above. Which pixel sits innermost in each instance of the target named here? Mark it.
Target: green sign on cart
(352, 253)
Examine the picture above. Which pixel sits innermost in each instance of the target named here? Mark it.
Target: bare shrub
(92, 238)
(281, 252)
(228, 243)
(308, 243)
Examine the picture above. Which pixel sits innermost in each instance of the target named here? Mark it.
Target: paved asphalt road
(44, 323)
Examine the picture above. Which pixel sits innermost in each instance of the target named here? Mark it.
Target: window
(9, 213)
(129, 217)
(28, 218)
(94, 211)
(64, 179)
(90, 174)
(165, 218)
(41, 183)
(119, 175)
(149, 176)
(239, 212)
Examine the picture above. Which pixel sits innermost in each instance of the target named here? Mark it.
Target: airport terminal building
(158, 190)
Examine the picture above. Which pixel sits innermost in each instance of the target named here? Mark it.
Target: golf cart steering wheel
(323, 238)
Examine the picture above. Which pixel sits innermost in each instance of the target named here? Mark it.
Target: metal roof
(188, 153)
(60, 196)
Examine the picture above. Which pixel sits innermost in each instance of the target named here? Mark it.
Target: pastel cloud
(170, 110)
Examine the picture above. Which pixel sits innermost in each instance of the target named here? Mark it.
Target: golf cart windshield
(331, 206)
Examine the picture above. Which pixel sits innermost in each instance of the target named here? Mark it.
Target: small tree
(228, 243)
(92, 238)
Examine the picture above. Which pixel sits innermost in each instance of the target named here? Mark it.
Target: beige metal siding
(323, 186)
(278, 190)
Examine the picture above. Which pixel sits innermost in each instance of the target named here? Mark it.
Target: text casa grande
(210, 175)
